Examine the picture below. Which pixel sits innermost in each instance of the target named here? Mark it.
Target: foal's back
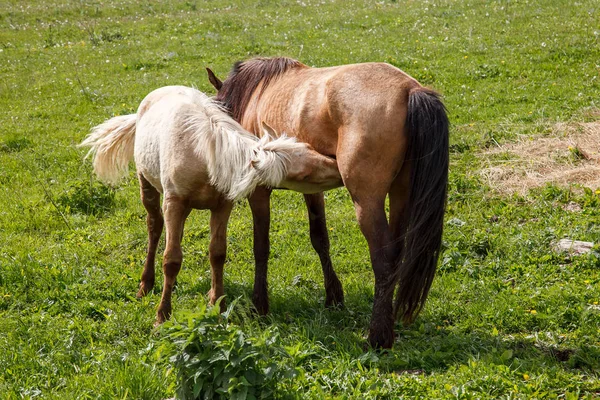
(165, 149)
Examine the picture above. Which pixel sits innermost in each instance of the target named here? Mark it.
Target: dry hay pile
(571, 155)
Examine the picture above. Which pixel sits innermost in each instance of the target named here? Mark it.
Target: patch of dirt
(570, 155)
(572, 206)
(560, 354)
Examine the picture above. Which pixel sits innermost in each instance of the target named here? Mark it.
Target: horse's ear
(267, 130)
(216, 82)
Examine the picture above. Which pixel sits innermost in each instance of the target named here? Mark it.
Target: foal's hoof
(144, 289)
(162, 314)
(213, 299)
(160, 319)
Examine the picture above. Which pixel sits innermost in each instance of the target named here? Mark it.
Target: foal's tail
(111, 144)
(424, 212)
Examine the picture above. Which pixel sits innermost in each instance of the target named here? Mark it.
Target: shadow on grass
(429, 345)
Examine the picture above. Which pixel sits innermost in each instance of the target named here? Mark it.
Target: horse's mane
(237, 160)
(246, 76)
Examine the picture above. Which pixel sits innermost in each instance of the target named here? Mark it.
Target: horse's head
(307, 171)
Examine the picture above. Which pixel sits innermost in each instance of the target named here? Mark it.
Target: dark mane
(245, 77)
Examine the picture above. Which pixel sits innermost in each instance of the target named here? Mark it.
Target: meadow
(507, 317)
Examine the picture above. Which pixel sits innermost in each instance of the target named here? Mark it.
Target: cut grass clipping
(569, 156)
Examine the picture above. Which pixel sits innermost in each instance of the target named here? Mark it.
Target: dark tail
(424, 212)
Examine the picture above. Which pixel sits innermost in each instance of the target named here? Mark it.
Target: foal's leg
(260, 204)
(334, 294)
(154, 220)
(217, 249)
(175, 211)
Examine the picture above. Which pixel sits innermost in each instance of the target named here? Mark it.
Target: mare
(389, 135)
(194, 154)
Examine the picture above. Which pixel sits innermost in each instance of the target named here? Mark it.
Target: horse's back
(368, 93)
(318, 104)
(349, 86)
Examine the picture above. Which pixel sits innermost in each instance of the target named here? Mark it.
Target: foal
(189, 150)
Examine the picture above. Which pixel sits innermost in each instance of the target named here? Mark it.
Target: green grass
(506, 317)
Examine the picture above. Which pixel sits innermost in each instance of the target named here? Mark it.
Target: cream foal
(189, 150)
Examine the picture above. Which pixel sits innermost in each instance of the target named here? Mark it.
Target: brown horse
(389, 136)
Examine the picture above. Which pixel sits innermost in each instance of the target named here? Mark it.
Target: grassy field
(507, 317)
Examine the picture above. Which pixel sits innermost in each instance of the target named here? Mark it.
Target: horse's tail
(111, 144)
(420, 243)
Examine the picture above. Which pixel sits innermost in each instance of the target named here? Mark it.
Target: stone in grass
(455, 222)
(574, 247)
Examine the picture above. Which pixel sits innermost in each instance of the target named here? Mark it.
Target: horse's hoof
(261, 307)
(334, 294)
(260, 311)
(382, 340)
(334, 301)
(380, 344)
(160, 319)
(222, 305)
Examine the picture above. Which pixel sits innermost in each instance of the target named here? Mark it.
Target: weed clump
(15, 145)
(88, 198)
(215, 359)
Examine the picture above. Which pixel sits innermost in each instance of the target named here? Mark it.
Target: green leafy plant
(92, 198)
(214, 358)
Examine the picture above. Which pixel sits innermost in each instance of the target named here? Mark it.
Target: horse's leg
(368, 170)
(175, 211)
(370, 212)
(260, 204)
(399, 192)
(334, 294)
(217, 249)
(154, 220)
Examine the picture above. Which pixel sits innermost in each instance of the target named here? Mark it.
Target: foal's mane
(246, 76)
(237, 161)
